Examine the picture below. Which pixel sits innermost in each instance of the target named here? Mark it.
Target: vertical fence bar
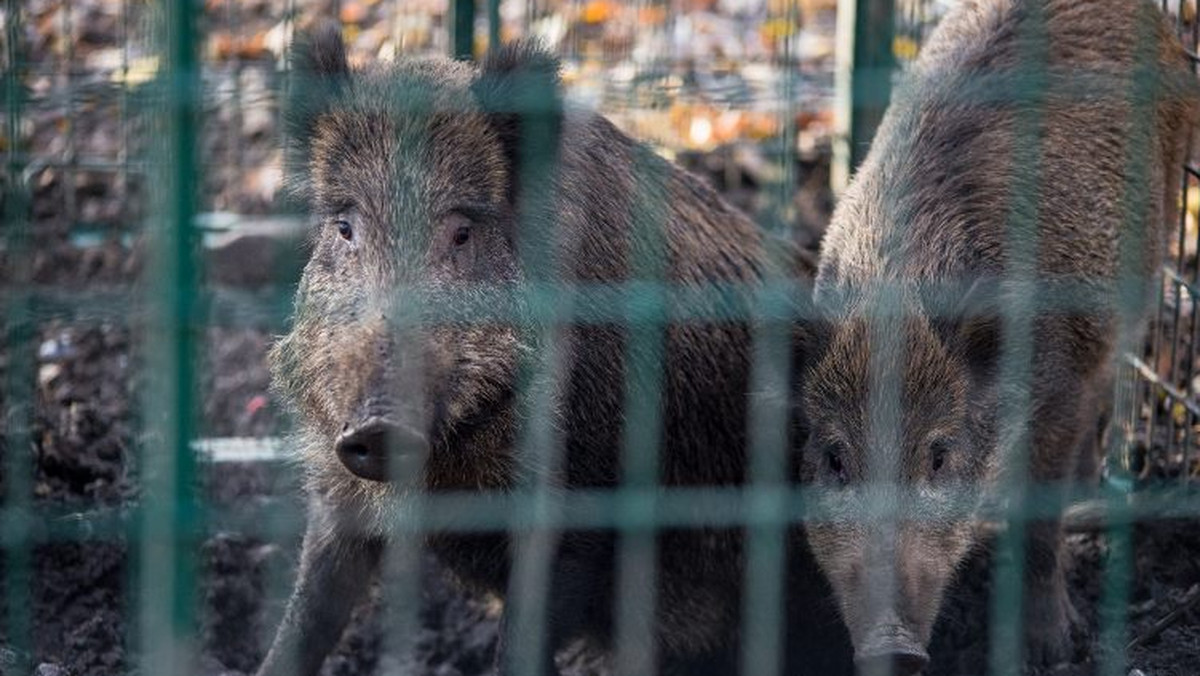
(167, 515)
(526, 633)
(1143, 95)
(865, 63)
(493, 21)
(886, 333)
(462, 29)
(70, 154)
(765, 575)
(16, 480)
(125, 117)
(1016, 370)
(642, 431)
(401, 565)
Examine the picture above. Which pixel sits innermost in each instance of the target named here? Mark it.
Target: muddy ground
(87, 379)
(84, 458)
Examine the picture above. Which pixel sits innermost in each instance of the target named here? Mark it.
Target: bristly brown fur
(396, 156)
(1033, 142)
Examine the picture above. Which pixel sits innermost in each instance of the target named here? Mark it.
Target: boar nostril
(366, 449)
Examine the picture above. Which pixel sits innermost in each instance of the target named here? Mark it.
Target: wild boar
(967, 300)
(419, 175)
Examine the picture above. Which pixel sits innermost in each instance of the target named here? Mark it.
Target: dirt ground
(88, 381)
(83, 434)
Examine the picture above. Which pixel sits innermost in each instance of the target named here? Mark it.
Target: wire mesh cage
(149, 520)
(1160, 423)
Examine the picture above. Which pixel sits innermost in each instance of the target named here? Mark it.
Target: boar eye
(461, 235)
(833, 460)
(345, 230)
(938, 451)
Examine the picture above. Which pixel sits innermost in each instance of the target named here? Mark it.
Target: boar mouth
(366, 449)
(891, 649)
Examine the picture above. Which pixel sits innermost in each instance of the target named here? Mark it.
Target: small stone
(47, 669)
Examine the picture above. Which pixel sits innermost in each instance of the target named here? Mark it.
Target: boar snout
(366, 449)
(890, 649)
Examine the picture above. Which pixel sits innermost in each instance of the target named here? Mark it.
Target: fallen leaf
(353, 12)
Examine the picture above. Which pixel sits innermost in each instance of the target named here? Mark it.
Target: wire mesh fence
(1160, 429)
(150, 252)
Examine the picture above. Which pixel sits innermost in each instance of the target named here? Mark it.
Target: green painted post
(462, 30)
(642, 428)
(1119, 568)
(168, 512)
(17, 406)
(866, 62)
(1006, 636)
(540, 449)
(493, 17)
(763, 609)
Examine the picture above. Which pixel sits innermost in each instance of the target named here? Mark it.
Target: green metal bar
(493, 17)
(126, 160)
(865, 29)
(764, 582)
(642, 430)
(1016, 373)
(16, 481)
(462, 29)
(69, 118)
(716, 507)
(1119, 565)
(537, 101)
(765, 591)
(166, 567)
(544, 303)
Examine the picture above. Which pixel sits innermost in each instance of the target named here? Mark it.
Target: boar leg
(335, 572)
(504, 665)
(580, 585)
(1061, 428)
(1093, 442)
(1049, 615)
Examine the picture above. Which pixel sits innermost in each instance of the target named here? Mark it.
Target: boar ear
(321, 52)
(811, 331)
(518, 88)
(319, 73)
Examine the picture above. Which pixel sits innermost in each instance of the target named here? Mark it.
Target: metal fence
(1162, 418)
(141, 159)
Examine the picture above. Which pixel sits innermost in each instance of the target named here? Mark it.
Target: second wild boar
(968, 297)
